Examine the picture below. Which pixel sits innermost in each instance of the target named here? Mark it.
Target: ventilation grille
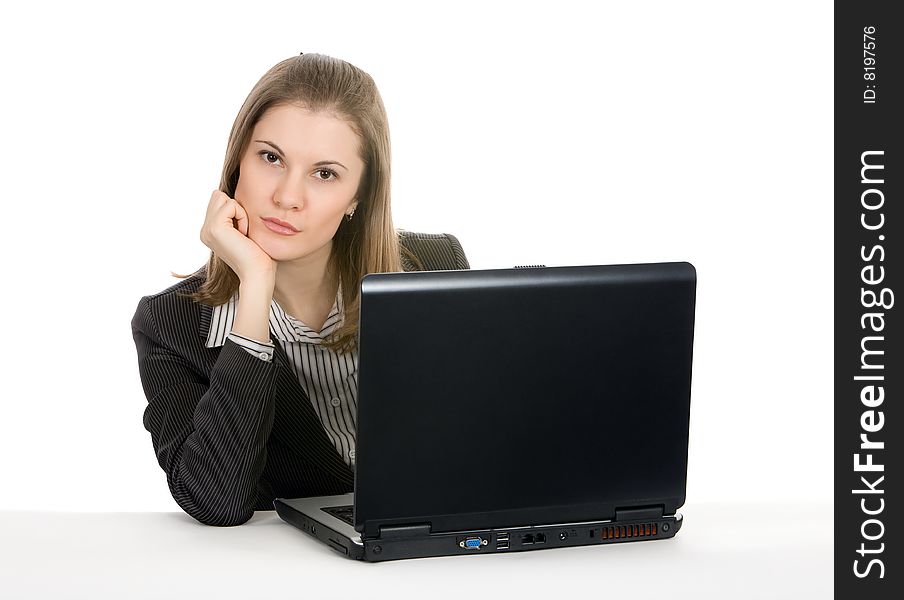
(638, 530)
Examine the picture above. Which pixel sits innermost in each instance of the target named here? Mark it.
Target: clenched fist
(225, 231)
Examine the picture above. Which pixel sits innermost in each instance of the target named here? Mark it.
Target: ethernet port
(541, 538)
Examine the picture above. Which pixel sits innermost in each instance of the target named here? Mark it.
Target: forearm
(252, 311)
(214, 477)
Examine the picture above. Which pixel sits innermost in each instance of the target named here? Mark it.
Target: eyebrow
(320, 163)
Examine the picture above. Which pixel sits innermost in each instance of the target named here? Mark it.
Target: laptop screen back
(523, 396)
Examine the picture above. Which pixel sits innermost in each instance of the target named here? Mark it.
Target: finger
(227, 210)
(217, 201)
(241, 218)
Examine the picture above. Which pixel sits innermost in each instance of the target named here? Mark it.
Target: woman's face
(301, 168)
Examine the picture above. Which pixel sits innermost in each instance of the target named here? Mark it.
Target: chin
(285, 250)
(283, 254)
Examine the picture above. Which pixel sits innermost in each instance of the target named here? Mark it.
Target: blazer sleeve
(209, 435)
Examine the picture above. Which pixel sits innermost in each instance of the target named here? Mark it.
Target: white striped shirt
(330, 380)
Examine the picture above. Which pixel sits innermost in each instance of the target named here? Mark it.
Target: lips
(279, 226)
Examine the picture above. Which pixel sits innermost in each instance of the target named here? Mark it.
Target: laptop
(506, 410)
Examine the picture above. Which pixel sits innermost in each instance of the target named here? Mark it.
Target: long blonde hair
(368, 243)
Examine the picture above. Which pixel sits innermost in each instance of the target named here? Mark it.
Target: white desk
(722, 551)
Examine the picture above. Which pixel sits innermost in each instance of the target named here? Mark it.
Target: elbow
(223, 519)
(212, 509)
(222, 514)
(210, 496)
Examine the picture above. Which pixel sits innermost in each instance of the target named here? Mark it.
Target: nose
(290, 192)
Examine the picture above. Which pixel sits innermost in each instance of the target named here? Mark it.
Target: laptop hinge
(639, 512)
(404, 531)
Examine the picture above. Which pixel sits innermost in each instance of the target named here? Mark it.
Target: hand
(225, 231)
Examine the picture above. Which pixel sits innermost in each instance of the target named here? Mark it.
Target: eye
(265, 154)
(330, 174)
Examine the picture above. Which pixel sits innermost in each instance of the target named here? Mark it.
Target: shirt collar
(283, 326)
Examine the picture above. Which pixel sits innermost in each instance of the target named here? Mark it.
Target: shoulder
(436, 251)
(185, 286)
(169, 315)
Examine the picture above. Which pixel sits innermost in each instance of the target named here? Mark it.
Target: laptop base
(416, 543)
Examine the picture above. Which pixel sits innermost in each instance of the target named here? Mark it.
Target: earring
(348, 216)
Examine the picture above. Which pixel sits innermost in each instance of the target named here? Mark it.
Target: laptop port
(527, 538)
(473, 543)
(541, 538)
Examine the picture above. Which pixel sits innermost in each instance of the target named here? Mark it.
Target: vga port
(472, 543)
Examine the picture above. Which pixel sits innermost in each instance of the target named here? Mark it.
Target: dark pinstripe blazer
(231, 431)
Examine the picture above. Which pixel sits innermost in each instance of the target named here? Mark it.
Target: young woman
(250, 364)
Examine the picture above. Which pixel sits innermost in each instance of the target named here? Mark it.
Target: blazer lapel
(204, 327)
(294, 406)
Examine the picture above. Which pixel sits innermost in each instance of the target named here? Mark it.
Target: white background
(560, 133)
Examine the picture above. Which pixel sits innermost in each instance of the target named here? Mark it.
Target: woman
(250, 364)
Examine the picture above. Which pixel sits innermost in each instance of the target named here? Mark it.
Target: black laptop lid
(510, 397)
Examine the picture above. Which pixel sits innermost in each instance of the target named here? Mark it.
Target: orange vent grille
(637, 530)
